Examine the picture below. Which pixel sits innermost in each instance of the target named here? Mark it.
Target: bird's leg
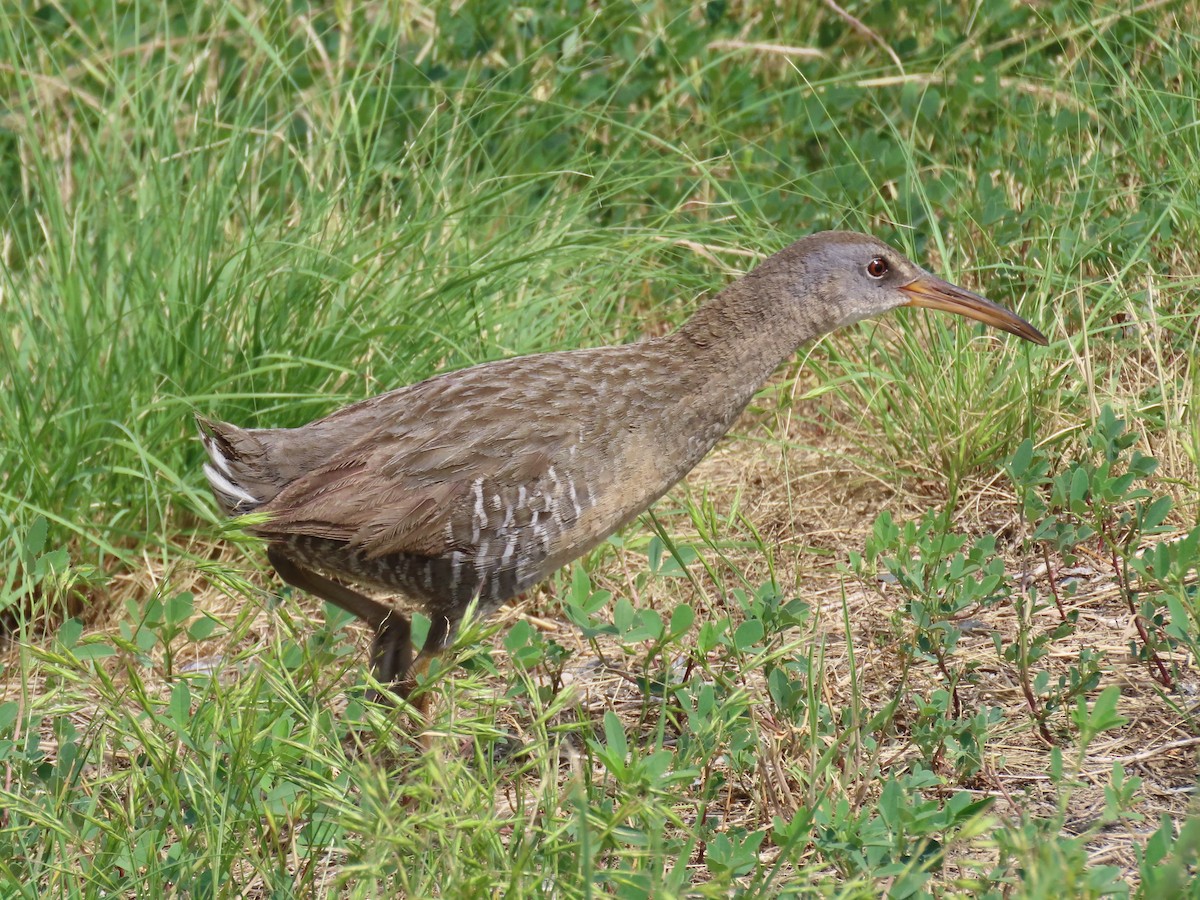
(391, 651)
(370, 611)
(391, 656)
(405, 679)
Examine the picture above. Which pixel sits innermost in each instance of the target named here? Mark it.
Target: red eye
(877, 267)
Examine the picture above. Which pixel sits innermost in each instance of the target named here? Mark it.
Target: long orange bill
(931, 292)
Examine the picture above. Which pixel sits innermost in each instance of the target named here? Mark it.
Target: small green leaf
(1156, 513)
(69, 633)
(748, 634)
(35, 537)
(1079, 491)
(420, 629)
(145, 639)
(682, 618)
(94, 647)
(1018, 463)
(614, 736)
(1103, 715)
(1104, 711)
(179, 609)
(8, 715)
(179, 707)
(202, 628)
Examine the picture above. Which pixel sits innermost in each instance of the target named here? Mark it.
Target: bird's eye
(878, 267)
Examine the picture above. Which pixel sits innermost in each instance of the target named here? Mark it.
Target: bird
(474, 485)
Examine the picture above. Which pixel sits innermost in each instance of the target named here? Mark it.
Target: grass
(911, 632)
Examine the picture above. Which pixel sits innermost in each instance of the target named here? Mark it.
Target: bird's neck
(742, 335)
(731, 345)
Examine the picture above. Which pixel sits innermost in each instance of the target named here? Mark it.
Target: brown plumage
(481, 482)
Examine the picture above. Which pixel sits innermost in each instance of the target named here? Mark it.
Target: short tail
(227, 474)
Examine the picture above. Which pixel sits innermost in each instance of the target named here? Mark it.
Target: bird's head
(858, 276)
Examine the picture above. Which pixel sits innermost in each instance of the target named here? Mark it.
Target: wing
(417, 478)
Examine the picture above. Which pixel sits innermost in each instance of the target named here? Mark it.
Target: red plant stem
(1053, 583)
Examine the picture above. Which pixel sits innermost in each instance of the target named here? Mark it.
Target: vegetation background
(925, 625)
